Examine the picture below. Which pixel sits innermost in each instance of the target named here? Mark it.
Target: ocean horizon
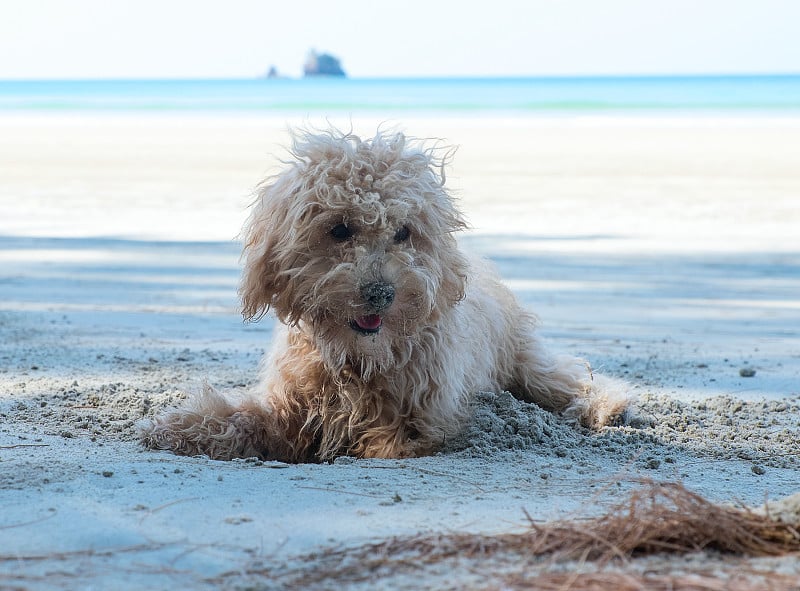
(753, 95)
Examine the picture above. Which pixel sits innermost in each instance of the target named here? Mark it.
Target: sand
(663, 250)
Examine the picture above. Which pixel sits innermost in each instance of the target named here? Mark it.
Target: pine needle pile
(658, 521)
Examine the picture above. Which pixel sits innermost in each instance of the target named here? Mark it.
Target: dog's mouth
(369, 324)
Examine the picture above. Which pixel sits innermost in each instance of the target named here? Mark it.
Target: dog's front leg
(388, 441)
(210, 425)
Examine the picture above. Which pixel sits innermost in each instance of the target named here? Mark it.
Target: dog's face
(354, 243)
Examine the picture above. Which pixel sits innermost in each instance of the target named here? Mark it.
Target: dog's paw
(632, 417)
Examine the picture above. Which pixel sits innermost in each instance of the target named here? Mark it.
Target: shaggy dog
(388, 328)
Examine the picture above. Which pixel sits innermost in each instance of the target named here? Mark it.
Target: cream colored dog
(389, 329)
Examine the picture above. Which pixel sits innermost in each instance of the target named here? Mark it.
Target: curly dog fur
(388, 327)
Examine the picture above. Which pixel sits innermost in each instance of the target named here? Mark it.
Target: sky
(243, 38)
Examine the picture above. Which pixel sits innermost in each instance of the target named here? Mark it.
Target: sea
(772, 95)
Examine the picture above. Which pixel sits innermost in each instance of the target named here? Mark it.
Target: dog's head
(354, 242)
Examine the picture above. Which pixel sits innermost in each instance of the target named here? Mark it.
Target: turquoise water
(446, 97)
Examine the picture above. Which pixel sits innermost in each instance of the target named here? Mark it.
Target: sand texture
(664, 251)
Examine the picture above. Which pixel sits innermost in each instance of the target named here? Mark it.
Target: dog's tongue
(369, 322)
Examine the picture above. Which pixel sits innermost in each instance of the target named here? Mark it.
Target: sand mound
(763, 433)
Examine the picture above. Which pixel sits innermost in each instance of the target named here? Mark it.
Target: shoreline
(600, 118)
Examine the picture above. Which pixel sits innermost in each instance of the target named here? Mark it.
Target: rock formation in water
(322, 64)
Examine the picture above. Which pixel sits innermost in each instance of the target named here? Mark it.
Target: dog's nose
(379, 295)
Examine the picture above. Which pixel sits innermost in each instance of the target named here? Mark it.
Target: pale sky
(242, 38)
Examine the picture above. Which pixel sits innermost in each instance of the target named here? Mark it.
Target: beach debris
(786, 509)
(657, 520)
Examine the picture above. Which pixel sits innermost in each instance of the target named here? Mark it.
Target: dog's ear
(450, 222)
(442, 221)
(454, 268)
(263, 286)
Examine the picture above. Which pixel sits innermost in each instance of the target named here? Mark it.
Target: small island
(322, 64)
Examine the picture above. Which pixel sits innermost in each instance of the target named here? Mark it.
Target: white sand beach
(665, 251)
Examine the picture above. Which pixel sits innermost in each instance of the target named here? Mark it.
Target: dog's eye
(402, 234)
(341, 232)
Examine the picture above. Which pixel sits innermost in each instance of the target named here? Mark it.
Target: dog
(387, 328)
